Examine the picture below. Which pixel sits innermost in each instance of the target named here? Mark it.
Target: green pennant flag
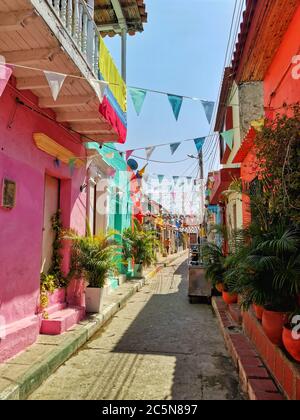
(228, 137)
(160, 178)
(72, 165)
(176, 102)
(174, 147)
(138, 97)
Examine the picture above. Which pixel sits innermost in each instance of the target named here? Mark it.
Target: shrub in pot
(142, 246)
(93, 257)
(267, 274)
(214, 263)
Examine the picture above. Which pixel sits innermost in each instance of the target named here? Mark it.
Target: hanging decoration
(128, 154)
(138, 97)
(56, 162)
(174, 147)
(149, 151)
(160, 178)
(5, 73)
(199, 142)
(141, 173)
(208, 109)
(132, 164)
(55, 82)
(258, 124)
(176, 103)
(175, 179)
(72, 165)
(228, 137)
(189, 179)
(100, 87)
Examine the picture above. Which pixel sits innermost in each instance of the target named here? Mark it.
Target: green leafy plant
(93, 257)
(142, 245)
(215, 263)
(55, 268)
(47, 285)
(266, 270)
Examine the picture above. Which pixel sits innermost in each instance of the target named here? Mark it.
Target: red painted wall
(279, 76)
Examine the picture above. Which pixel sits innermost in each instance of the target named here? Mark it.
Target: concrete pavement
(157, 347)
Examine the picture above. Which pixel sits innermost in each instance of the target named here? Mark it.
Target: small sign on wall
(8, 194)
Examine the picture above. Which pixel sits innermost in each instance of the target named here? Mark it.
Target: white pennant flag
(149, 152)
(55, 81)
(5, 73)
(100, 87)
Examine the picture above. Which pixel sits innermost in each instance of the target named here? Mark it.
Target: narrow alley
(158, 347)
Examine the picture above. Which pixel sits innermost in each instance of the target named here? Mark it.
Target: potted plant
(267, 274)
(291, 336)
(215, 269)
(142, 246)
(93, 257)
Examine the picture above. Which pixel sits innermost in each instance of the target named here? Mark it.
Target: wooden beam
(30, 56)
(78, 116)
(64, 101)
(92, 128)
(14, 21)
(102, 138)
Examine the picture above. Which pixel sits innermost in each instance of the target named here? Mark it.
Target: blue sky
(181, 51)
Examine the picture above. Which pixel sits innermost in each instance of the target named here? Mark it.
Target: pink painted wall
(21, 227)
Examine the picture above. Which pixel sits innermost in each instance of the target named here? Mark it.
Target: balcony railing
(78, 21)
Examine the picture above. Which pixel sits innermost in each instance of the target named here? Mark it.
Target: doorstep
(24, 373)
(255, 378)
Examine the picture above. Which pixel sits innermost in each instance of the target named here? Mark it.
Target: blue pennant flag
(208, 109)
(199, 143)
(175, 179)
(174, 147)
(176, 102)
(138, 97)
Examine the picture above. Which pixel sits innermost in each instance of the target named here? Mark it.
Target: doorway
(51, 206)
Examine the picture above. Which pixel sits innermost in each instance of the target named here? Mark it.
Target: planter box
(94, 299)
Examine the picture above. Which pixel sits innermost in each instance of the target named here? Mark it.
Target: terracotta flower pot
(291, 344)
(272, 323)
(220, 287)
(259, 310)
(229, 298)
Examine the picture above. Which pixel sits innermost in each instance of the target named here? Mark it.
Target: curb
(255, 379)
(20, 386)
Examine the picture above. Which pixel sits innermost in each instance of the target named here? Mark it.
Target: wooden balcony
(59, 36)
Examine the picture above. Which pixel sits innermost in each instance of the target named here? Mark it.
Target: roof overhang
(222, 181)
(246, 146)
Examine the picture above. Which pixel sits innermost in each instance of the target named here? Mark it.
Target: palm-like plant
(93, 257)
(215, 263)
(266, 270)
(142, 245)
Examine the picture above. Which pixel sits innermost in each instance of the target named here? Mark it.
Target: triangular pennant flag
(160, 178)
(175, 179)
(142, 171)
(199, 143)
(100, 87)
(258, 124)
(208, 109)
(5, 73)
(176, 102)
(55, 81)
(138, 97)
(149, 151)
(72, 165)
(228, 138)
(128, 154)
(189, 179)
(174, 147)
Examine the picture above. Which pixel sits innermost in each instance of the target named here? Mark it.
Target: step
(62, 320)
(55, 308)
(18, 336)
